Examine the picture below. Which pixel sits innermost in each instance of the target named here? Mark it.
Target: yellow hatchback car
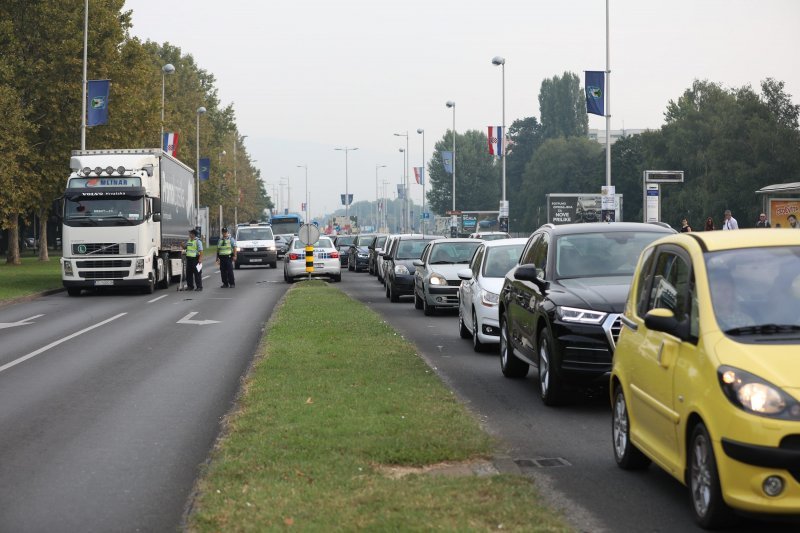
(706, 374)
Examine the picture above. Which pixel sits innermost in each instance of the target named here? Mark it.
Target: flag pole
(608, 104)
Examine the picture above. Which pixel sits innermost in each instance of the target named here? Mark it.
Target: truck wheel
(164, 272)
(150, 287)
(74, 291)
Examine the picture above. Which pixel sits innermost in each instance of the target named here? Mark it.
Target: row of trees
(40, 93)
(728, 142)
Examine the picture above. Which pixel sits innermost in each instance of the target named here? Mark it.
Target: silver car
(326, 260)
(436, 280)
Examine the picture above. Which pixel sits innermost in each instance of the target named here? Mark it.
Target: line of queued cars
(695, 337)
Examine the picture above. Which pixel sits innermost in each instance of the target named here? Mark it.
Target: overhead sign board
(570, 208)
(663, 176)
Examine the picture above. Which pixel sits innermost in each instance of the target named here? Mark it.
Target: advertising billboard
(574, 208)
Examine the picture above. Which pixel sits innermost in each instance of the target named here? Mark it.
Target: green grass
(31, 277)
(335, 398)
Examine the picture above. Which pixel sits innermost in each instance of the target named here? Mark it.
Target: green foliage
(523, 139)
(478, 175)
(562, 104)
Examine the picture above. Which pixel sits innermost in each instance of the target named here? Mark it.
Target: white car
(490, 235)
(255, 245)
(326, 260)
(479, 292)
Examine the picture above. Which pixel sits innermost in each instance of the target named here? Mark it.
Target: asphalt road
(110, 403)
(566, 450)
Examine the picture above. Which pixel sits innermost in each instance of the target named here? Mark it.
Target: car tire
(709, 507)
(417, 301)
(74, 291)
(427, 309)
(550, 387)
(510, 364)
(463, 332)
(393, 297)
(477, 345)
(274, 264)
(386, 286)
(627, 455)
(337, 278)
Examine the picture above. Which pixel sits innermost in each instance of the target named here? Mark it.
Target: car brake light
(295, 257)
(334, 255)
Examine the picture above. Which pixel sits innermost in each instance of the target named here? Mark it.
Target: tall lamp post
(501, 61)
(200, 111)
(406, 222)
(422, 178)
(166, 69)
(306, 202)
(346, 183)
(236, 139)
(377, 200)
(407, 205)
(453, 216)
(385, 198)
(219, 189)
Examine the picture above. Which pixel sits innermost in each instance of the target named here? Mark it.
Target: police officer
(194, 257)
(226, 255)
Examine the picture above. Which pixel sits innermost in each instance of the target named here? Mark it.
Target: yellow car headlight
(755, 395)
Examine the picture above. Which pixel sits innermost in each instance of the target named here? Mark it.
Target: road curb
(30, 297)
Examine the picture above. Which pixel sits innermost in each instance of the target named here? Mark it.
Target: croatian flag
(496, 140)
(170, 142)
(419, 175)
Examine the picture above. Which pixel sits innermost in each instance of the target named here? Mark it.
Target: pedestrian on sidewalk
(762, 221)
(226, 256)
(709, 225)
(685, 227)
(729, 222)
(194, 262)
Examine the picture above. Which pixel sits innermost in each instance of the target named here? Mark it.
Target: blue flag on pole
(447, 159)
(205, 168)
(97, 102)
(349, 198)
(595, 92)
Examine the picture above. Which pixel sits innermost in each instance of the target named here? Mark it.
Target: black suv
(559, 308)
(400, 269)
(342, 243)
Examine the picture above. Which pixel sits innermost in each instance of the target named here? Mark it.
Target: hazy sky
(306, 76)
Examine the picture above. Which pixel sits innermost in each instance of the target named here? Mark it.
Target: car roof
(419, 236)
(459, 239)
(714, 241)
(504, 242)
(606, 227)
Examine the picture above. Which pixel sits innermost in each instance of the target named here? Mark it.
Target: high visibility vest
(224, 247)
(191, 248)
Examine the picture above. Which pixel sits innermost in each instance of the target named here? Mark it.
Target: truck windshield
(103, 211)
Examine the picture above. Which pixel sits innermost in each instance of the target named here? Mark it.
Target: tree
(562, 105)
(478, 186)
(524, 138)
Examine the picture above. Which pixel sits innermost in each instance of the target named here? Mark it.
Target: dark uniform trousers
(226, 270)
(193, 277)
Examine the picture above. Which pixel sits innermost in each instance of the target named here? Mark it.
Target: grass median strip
(31, 277)
(336, 404)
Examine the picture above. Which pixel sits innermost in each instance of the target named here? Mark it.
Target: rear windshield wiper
(763, 329)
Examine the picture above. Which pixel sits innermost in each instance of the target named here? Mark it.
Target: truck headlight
(68, 268)
(140, 265)
(580, 316)
(401, 269)
(755, 395)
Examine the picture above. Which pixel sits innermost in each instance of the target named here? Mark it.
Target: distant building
(599, 135)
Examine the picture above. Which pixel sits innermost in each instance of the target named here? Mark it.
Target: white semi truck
(126, 214)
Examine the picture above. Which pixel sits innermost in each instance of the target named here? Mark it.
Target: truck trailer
(126, 214)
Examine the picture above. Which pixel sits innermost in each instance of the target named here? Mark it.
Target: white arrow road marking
(56, 343)
(23, 322)
(188, 320)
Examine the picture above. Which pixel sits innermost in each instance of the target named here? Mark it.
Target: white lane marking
(23, 322)
(157, 299)
(56, 343)
(188, 320)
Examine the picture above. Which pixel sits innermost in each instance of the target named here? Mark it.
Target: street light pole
(219, 189)
(424, 222)
(406, 204)
(306, 202)
(235, 182)
(497, 60)
(377, 200)
(84, 81)
(200, 111)
(166, 69)
(453, 217)
(346, 184)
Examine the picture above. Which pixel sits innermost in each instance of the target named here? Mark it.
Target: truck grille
(104, 263)
(102, 274)
(104, 248)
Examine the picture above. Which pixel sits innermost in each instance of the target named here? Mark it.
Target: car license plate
(104, 282)
(319, 265)
(256, 260)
